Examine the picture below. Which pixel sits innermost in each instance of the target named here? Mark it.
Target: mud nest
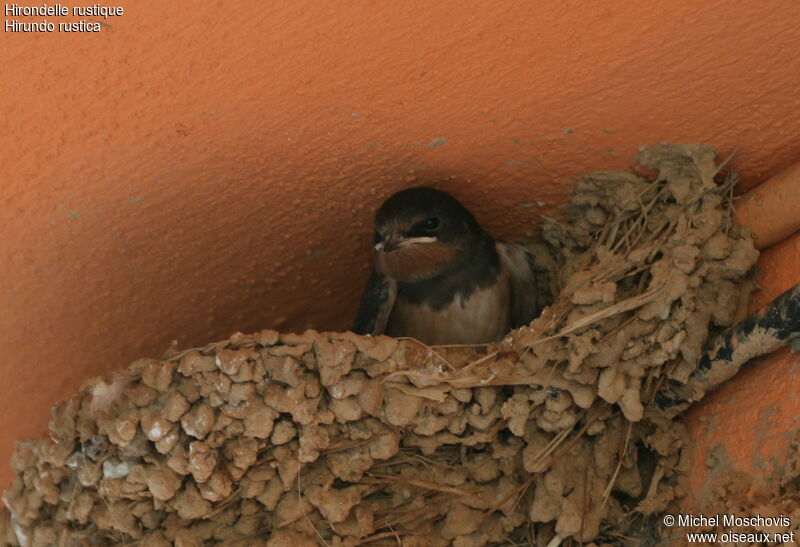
(547, 436)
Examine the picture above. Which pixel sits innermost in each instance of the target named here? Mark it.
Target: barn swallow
(440, 278)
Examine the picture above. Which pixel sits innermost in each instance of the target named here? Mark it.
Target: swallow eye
(431, 224)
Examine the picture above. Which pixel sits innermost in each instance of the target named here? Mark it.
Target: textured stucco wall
(204, 168)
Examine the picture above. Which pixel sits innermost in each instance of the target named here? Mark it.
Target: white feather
(105, 394)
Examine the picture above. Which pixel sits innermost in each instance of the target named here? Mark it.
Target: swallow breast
(480, 317)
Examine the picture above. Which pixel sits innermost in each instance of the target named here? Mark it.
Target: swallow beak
(391, 242)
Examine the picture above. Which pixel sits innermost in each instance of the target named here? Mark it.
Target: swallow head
(421, 233)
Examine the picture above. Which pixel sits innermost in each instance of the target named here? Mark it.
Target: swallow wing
(376, 305)
(518, 262)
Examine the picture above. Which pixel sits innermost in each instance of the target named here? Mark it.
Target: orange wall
(197, 169)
